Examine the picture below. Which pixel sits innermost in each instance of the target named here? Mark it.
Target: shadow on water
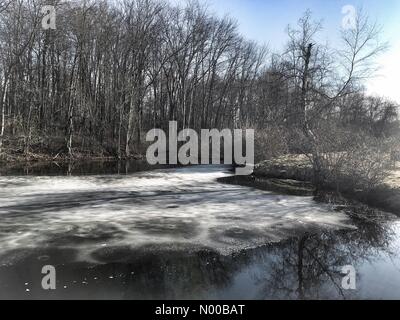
(307, 267)
(78, 168)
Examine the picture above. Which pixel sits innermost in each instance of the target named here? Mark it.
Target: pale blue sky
(266, 21)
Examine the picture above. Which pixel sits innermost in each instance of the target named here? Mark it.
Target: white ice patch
(178, 206)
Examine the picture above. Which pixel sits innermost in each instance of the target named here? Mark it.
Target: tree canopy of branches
(112, 70)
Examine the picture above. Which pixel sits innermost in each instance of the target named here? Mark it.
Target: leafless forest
(112, 70)
(86, 213)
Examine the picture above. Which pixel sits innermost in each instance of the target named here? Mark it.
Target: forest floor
(393, 178)
(16, 159)
(298, 167)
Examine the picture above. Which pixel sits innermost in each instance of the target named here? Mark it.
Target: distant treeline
(112, 70)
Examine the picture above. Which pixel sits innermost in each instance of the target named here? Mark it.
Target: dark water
(178, 234)
(78, 168)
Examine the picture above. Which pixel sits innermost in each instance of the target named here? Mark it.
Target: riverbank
(18, 158)
(293, 175)
(18, 162)
(65, 166)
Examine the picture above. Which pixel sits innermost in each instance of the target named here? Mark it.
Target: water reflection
(78, 168)
(310, 267)
(307, 267)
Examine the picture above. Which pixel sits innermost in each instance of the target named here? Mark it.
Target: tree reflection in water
(307, 267)
(310, 267)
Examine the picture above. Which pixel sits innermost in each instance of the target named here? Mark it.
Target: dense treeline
(112, 70)
(109, 72)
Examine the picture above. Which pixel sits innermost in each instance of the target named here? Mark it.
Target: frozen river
(178, 233)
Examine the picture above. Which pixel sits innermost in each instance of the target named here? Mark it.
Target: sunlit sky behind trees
(266, 21)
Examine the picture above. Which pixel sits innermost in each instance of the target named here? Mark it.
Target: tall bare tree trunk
(3, 113)
(129, 131)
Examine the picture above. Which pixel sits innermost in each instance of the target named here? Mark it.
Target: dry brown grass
(393, 178)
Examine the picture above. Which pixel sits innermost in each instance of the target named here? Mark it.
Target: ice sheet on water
(183, 206)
